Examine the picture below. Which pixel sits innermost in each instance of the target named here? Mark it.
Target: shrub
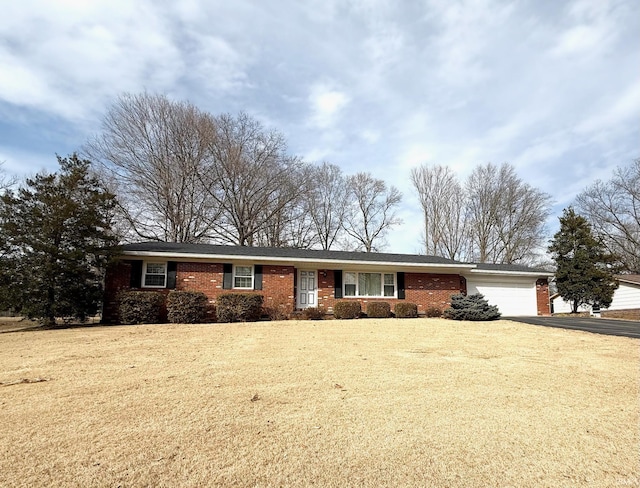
(186, 307)
(239, 307)
(471, 307)
(347, 310)
(378, 310)
(140, 307)
(405, 310)
(433, 312)
(278, 309)
(313, 313)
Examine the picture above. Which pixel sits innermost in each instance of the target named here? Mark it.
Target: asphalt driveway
(626, 328)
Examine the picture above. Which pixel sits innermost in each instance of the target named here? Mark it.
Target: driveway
(626, 328)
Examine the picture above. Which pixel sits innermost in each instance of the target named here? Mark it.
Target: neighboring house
(301, 278)
(625, 303)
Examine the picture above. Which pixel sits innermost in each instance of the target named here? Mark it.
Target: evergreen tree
(471, 307)
(584, 269)
(56, 239)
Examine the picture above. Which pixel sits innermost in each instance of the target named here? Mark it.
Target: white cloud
(326, 104)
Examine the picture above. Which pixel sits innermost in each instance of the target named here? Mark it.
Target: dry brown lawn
(413, 402)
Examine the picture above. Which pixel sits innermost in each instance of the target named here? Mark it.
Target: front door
(307, 289)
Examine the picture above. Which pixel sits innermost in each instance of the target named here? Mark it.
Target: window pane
(155, 268)
(388, 279)
(242, 282)
(154, 280)
(349, 290)
(243, 270)
(369, 284)
(350, 278)
(389, 290)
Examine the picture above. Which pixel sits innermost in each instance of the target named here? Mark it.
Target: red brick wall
(542, 297)
(277, 284)
(424, 289)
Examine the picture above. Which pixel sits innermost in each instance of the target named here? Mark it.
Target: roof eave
(512, 273)
(293, 260)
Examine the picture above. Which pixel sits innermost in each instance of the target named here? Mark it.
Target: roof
(283, 252)
(512, 267)
(315, 256)
(629, 278)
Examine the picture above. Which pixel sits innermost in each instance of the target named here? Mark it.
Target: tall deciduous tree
(444, 208)
(250, 178)
(506, 216)
(613, 209)
(328, 203)
(372, 210)
(151, 150)
(58, 241)
(584, 269)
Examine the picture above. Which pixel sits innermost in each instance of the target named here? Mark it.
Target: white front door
(307, 289)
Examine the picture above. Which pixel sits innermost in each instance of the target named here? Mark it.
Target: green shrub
(140, 307)
(471, 307)
(433, 312)
(378, 310)
(186, 307)
(239, 307)
(347, 309)
(405, 310)
(313, 313)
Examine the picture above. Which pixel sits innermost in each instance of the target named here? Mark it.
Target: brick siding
(426, 290)
(542, 297)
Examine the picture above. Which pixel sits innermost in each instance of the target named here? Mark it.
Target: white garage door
(512, 297)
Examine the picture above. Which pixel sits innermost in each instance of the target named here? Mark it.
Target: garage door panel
(517, 298)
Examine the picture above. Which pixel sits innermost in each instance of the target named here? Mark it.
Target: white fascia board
(356, 264)
(495, 272)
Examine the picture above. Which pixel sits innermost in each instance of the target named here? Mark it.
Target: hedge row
(139, 307)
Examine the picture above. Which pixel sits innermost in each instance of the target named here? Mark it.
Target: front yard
(412, 402)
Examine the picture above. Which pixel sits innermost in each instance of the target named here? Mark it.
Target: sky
(383, 86)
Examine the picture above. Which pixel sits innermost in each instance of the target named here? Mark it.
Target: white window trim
(253, 277)
(381, 273)
(144, 274)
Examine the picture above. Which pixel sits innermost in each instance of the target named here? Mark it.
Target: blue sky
(370, 85)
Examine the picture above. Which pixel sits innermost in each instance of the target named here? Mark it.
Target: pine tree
(584, 269)
(56, 235)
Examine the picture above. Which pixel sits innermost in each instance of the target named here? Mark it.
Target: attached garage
(513, 291)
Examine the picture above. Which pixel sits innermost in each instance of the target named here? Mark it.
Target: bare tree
(506, 216)
(250, 178)
(327, 203)
(444, 209)
(290, 225)
(151, 150)
(6, 180)
(613, 209)
(372, 210)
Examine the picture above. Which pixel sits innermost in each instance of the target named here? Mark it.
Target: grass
(412, 402)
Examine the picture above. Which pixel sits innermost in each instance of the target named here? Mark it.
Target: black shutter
(400, 280)
(135, 280)
(227, 280)
(257, 277)
(337, 284)
(172, 272)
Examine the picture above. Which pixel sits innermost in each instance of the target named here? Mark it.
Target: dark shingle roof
(283, 252)
(314, 254)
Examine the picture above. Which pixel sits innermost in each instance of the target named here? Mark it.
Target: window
(155, 275)
(350, 284)
(369, 284)
(243, 277)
